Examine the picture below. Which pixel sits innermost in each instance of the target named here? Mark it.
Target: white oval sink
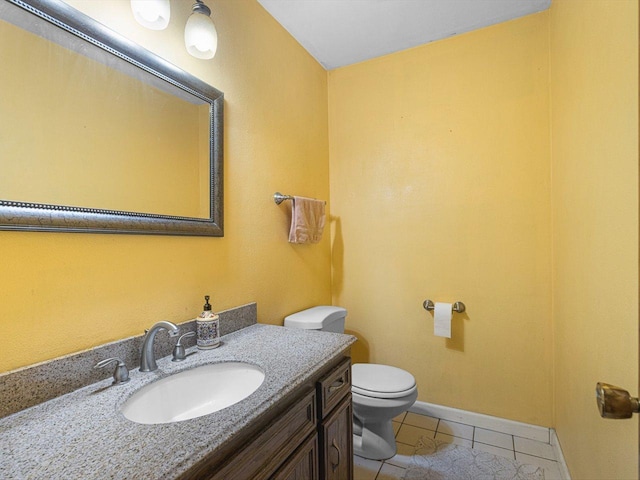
(193, 393)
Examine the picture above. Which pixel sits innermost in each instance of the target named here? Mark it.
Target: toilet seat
(381, 395)
(381, 381)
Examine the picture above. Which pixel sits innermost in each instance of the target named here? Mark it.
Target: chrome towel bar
(279, 198)
(457, 307)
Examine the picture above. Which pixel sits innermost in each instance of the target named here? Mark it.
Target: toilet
(379, 392)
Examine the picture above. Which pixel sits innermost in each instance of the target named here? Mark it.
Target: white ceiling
(342, 32)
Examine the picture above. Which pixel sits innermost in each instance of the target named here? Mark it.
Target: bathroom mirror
(100, 135)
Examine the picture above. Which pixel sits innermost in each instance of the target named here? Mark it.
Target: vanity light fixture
(153, 14)
(200, 35)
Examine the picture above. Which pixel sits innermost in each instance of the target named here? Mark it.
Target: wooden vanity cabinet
(310, 437)
(334, 441)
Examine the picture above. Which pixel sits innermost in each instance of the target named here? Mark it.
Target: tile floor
(410, 426)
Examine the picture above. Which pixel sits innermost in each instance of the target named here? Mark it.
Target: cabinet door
(303, 464)
(262, 456)
(336, 442)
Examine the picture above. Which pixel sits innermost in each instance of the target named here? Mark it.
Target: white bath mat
(435, 460)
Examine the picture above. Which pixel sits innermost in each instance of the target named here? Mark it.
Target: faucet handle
(121, 372)
(178, 351)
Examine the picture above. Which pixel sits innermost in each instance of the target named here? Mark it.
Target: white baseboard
(557, 449)
(525, 430)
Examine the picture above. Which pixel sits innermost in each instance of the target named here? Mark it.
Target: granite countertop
(83, 435)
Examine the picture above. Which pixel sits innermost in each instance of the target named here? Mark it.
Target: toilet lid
(381, 381)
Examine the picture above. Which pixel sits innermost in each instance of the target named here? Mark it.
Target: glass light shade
(200, 36)
(153, 14)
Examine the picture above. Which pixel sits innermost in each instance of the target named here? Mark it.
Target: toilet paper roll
(442, 319)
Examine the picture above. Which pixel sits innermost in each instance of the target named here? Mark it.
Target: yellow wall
(440, 189)
(60, 293)
(594, 124)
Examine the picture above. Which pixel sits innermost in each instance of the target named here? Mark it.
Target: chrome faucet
(147, 358)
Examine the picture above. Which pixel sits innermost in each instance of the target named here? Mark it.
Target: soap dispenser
(208, 327)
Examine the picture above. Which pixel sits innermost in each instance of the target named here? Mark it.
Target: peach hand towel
(307, 220)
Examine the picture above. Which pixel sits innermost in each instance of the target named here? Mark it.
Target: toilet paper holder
(457, 307)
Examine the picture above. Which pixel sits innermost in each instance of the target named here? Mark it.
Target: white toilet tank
(325, 318)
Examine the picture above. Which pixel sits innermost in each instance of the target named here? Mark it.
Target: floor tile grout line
(492, 445)
(417, 426)
(532, 440)
(379, 469)
(537, 456)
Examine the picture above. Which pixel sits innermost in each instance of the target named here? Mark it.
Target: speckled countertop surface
(83, 435)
